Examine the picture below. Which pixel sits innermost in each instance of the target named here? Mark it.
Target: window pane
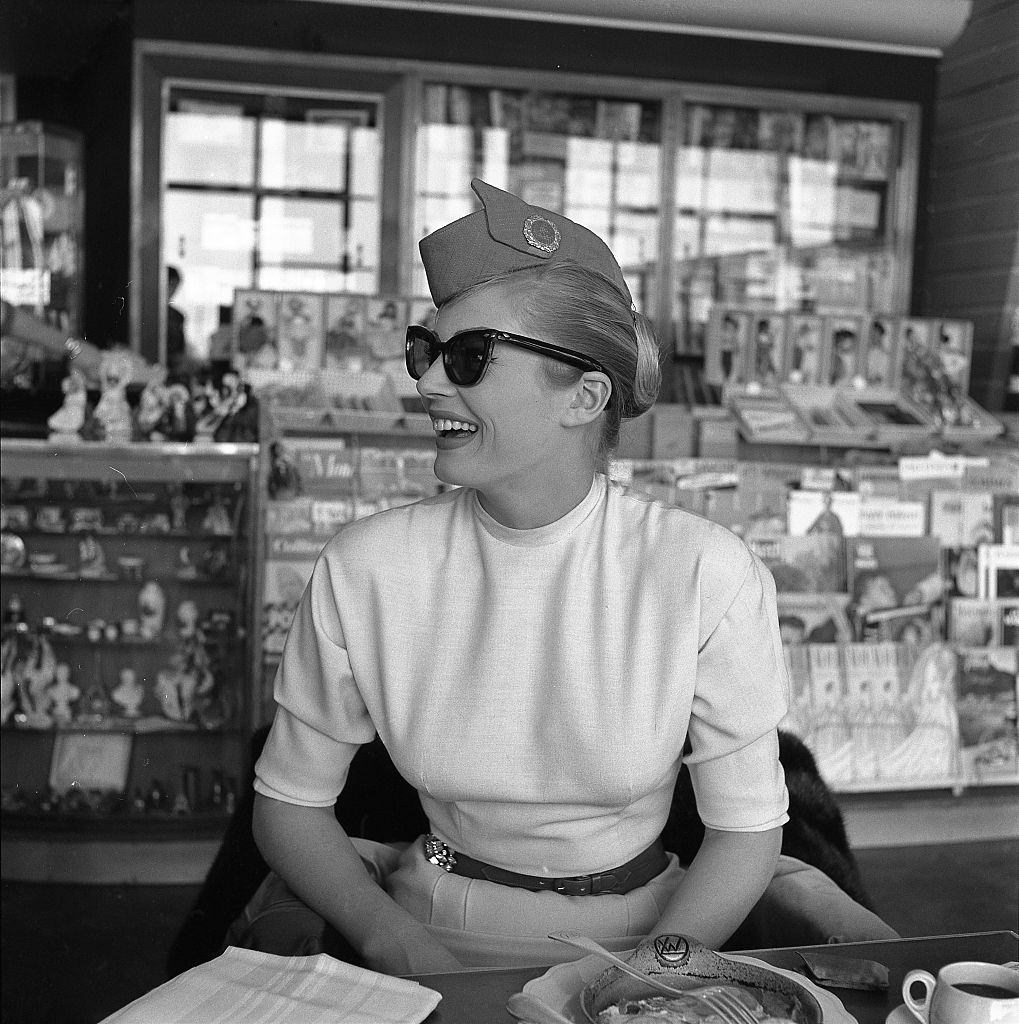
(209, 237)
(596, 160)
(304, 156)
(781, 207)
(211, 149)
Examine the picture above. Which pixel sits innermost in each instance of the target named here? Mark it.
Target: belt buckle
(439, 853)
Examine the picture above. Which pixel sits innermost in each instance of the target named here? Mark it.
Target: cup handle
(920, 1009)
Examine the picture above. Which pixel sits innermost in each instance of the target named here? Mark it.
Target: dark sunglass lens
(465, 358)
(422, 350)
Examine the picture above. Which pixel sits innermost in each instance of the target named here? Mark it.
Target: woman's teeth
(443, 426)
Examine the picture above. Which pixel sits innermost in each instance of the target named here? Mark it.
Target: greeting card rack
(126, 589)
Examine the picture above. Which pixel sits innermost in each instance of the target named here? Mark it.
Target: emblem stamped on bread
(704, 982)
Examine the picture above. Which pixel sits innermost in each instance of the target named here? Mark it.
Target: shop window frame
(401, 84)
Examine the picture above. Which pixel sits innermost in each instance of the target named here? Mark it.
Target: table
(473, 997)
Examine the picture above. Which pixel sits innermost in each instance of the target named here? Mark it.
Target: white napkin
(242, 985)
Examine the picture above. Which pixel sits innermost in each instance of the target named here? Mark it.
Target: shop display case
(126, 592)
(42, 212)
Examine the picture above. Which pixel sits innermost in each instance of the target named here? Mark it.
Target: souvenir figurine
(284, 476)
(217, 519)
(151, 610)
(156, 522)
(179, 506)
(112, 412)
(14, 517)
(240, 425)
(187, 620)
(95, 706)
(38, 674)
(175, 690)
(50, 519)
(129, 693)
(68, 420)
(216, 561)
(13, 553)
(63, 693)
(91, 557)
(186, 569)
(152, 406)
(178, 422)
(85, 519)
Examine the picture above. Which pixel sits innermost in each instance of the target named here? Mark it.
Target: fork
(725, 1004)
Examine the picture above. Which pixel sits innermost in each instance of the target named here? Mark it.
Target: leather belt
(634, 873)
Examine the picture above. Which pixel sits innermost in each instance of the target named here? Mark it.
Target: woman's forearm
(310, 851)
(723, 883)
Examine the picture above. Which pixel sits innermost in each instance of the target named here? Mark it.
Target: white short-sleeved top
(539, 688)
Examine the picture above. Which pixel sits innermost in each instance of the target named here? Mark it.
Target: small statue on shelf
(95, 706)
(112, 413)
(38, 674)
(91, 557)
(152, 405)
(68, 420)
(178, 422)
(129, 693)
(217, 519)
(176, 689)
(151, 610)
(186, 569)
(187, 621)
(63, 693)
(179, 505)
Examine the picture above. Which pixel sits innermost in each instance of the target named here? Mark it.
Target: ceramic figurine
(217, 519)
(63, 693)
(68, 420)
(186, 569)
(152, 405)
(129, 693)
(95, 706)
(151, 610)
(187, 619)
(38, 674)
(175, 690)
(91, 557)
(112, 411)
(179, 506)
(178, 422)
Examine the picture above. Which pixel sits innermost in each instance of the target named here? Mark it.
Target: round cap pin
(541, 233)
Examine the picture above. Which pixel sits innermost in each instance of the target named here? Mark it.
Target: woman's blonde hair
(583, 311)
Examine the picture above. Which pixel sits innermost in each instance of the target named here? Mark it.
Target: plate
(560, 986)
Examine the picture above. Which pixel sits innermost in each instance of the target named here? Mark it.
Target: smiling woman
(538, 650)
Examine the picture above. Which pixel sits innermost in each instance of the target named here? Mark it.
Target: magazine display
(987, 692)
(875, 630)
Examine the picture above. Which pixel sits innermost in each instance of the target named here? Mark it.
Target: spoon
(583, 942)
(530, 1010)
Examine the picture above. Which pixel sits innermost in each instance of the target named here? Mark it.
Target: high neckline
(541, 536)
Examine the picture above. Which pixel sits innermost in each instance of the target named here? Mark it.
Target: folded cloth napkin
(242, 985)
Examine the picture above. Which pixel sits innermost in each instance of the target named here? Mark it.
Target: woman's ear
(588, 398)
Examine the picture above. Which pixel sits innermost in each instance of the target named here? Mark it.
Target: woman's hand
(409, 949)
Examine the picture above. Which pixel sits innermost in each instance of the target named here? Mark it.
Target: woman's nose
(434, 381)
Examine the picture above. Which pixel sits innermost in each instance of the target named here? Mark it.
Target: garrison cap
(507, 234)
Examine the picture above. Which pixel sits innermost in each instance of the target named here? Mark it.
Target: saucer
(901, 1015)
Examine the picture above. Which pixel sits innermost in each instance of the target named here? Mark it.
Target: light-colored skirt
(485, 924)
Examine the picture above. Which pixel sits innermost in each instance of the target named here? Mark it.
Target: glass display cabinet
(42, 200)
(126, 590)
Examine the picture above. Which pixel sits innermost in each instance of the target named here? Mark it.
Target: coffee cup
(965, 992)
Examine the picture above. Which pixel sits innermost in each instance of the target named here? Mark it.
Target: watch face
(12, 552)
